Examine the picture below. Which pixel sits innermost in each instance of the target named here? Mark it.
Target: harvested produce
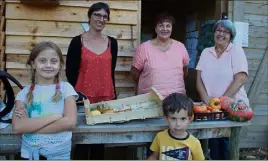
(95, 112)
(226, 102)
(215, 103)
(239, 111)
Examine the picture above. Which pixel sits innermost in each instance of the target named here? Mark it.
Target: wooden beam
(2, 8)
(24, 44)
(139, 22)
(64, 29)
(65, 13)
(113, 4)
(259, 79)
(220, 6)
(238, 11)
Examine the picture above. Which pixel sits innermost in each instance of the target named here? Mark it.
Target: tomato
(201, 108)
(210, 108)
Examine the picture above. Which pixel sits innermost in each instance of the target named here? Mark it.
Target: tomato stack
(211, 111)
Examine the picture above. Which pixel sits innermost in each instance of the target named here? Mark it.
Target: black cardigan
(73, 59)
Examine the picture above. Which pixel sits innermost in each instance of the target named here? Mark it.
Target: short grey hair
(228, 25)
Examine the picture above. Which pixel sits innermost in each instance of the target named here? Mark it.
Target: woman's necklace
(164, 47)
(219, 53)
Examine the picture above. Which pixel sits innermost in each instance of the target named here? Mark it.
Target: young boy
(176, 143)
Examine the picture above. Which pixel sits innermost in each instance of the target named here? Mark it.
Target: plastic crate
(211, 116)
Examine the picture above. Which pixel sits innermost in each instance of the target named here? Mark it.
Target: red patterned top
(95, 75)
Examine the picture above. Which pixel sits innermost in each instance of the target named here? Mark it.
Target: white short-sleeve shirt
(43, 105)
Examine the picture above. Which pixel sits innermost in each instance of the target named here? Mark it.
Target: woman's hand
(206, 99)
(21, 112)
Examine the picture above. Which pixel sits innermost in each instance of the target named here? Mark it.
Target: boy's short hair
(177, 101)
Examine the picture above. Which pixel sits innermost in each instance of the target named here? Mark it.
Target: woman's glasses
(218, 31)
(99, 16)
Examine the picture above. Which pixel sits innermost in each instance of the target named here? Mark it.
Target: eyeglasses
(223, 31)
(99, 16)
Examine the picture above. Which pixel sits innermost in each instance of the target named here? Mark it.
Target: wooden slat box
(142, 106)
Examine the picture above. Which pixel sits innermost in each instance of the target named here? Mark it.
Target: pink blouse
(218, 73)
(161, 70)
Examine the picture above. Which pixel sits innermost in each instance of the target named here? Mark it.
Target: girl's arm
(23, 124)
(68, 122)
(239, 80)
(201, 88)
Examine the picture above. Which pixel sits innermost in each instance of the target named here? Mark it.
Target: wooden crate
(142, 106)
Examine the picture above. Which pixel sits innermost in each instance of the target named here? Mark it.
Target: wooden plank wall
(2, 43)
(256, 14)
(27, 25)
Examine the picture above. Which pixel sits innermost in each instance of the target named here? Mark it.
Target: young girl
(45, 111)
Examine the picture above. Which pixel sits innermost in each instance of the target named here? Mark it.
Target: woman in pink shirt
(222, 71)
(162, 62)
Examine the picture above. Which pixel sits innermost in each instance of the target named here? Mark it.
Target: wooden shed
(131, 22)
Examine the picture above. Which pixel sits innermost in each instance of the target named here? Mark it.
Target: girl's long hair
(45, 45)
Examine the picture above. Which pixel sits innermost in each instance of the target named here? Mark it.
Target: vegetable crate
(142, 106)
(212, 116)
(204, 114)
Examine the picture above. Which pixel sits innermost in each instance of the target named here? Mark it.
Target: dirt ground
(254, 154)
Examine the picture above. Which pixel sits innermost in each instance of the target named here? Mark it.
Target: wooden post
(204, 144)
(142, 152)
(234, 143)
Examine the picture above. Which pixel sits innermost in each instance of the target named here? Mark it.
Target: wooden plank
(256, 20)
(264, 89)
(123, 79)
(113, 4)
(22, 59)
(122, 65)
(139, 22)
(63, 29)
(259, 79)
(258, 31)
(128, 137)
(74, 14)
(256, 137)
(23, 44)
(2, 24)
(254, 64)
(2, 8)
(154, 124)
(258, 1)
(256, 54)
(257, 43)
(2, 39)
(2, 54)
(220, 6)
(256, 8)
(230, 9)
(238, 11)
(121, 92)
(262, 98)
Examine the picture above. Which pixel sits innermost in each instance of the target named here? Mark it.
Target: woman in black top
(83, 50)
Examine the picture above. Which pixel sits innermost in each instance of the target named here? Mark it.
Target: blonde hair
(33, 55)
